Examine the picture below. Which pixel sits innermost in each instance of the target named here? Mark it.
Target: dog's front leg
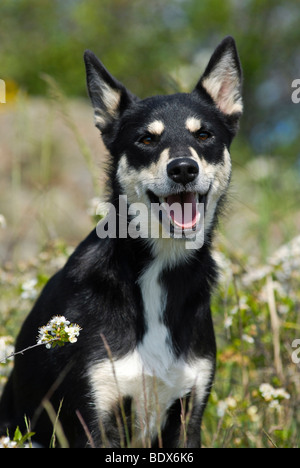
(192, 429)
(183, 425)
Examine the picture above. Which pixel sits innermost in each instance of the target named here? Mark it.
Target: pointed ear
(109, 97)
(222, 79)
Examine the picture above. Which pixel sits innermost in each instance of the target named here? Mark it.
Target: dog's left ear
(109, 97)
(222, 79)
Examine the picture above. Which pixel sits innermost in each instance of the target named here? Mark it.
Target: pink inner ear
(225, 95)
(223, 84)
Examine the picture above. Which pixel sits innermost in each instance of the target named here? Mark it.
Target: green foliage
(161, 46)
(255, 399)
(19, 440)
(240, 412)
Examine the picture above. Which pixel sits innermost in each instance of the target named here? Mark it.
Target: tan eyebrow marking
(156, 127)
(192, 124)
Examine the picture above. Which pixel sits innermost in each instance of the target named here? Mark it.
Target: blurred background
(51, 172)
(153, 47)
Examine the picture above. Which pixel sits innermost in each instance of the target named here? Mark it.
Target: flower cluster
(284, 264)
(272, 395)
(223, 405)
(6, 442)
(58, 331)
(19, 440)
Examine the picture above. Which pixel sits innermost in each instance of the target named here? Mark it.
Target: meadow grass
(51, 168)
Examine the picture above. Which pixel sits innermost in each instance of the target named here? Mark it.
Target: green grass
(50, 162)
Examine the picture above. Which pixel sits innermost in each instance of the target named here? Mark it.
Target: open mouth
(182, 209)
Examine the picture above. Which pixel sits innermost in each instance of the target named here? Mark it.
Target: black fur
(99, 286)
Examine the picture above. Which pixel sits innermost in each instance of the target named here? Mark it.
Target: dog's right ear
(109, 97)
(222, 81)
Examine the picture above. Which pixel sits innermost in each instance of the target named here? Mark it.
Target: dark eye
(202, 135)
(149, 139)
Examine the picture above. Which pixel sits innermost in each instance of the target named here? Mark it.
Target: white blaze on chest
(152, 396)
(155, 349)
(151, 374)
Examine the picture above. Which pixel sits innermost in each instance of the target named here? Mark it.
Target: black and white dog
(146, 351)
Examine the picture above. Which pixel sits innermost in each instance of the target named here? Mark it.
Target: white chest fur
(151, 375)
(155, 349)
(152, 396)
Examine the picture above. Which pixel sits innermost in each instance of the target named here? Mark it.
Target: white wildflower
(266, 391)
(228, 322)
(252, 412)
(225, 266)
(58, 320)
(73, 332)
(242, 305)
(234, 310)
(272, 395)
(231, 402)
(223, 405)
(221, 408)
(282, 394)
(6, 347)
(274, 404)
(284, 263)
(6, 442)
(287, 252)
(256, 274)
(283, 309)
(28, 289)
(58, 331)
(248, 338)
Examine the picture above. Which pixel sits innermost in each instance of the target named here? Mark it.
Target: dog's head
(171, 150)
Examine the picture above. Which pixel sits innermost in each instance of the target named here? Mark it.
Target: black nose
(183, 170)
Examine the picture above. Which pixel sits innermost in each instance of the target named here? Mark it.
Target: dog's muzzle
(182, 203)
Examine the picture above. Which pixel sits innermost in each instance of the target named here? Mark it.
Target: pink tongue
(184, 214)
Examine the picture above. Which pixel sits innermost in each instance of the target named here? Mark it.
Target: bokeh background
(154, 47)
(51, 175)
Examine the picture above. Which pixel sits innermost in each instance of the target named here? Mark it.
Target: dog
(145, 358)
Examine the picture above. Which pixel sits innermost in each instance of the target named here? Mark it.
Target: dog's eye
(149, 139)
(202, 135)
